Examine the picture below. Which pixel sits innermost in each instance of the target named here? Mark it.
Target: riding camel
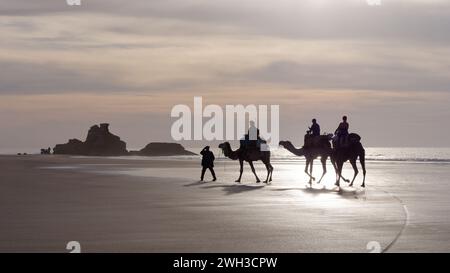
(350, 152)
(338, 156)
(323, 149)
(249, 155)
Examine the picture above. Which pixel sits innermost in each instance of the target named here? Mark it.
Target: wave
(299, 159)
(425, 160)
(374, 159)
(418, 155)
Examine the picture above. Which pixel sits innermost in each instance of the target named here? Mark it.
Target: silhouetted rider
(342, 131)
(314, 129)
(253, 132)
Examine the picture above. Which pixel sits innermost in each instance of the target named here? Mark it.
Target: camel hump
(353, 137)
(316, 141)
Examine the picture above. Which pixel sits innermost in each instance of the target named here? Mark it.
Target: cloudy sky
(129, 62)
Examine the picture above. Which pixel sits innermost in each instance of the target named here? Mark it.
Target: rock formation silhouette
(73, 147)
(163, 149)
(99, 142)
(46, 151)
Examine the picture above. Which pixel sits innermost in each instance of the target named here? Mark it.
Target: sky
(64, 68)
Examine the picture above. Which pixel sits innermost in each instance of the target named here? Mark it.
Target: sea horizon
(411, 154)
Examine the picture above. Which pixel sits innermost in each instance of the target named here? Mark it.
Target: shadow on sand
(228, 189)
(197, 183)
(235, 188)
(315, 189)
(346, 192)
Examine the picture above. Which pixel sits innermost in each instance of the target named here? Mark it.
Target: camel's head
(225, 147)
(283, 143)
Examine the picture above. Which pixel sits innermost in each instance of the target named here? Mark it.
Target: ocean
(424, 155)
(405, 154)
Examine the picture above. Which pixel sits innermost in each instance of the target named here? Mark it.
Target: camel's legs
(267, 177)
(254, 172)
(355, 168)
(241, 163)
(271, 171)
(336, 170)
(333, 162)
(362, 159)
(311, 178)
(268, 171)
(345, 179)
(324, 167)
(339, 166)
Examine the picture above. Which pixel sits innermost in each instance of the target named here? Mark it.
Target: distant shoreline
(277, 155)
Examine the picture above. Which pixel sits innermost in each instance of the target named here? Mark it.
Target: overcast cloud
(117, 50)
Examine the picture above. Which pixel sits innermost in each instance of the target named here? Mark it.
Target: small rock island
(164, 149)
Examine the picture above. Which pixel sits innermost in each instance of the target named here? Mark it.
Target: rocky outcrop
(99, 142)
(73, 147)
(164, 149)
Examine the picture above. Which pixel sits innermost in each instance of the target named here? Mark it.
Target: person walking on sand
(207, 163)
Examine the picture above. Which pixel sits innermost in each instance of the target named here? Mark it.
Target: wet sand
(158, 205)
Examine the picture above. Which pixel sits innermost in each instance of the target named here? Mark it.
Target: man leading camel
(207, 163)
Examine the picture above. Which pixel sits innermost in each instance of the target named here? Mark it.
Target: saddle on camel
(312, 141)
(246, 143)
(252, 141)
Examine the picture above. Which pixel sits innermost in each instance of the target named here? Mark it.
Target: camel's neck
(298, 152)
(230, 153)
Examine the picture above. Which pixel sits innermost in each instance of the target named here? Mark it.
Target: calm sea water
(438, 155)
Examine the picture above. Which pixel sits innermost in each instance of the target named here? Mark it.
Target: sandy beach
(123, 205)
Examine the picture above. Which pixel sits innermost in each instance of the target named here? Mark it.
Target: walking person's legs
(203, 174)
(213, 173)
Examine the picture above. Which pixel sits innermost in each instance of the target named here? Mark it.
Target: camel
(349, 152)
(248, 155)
(311, 153)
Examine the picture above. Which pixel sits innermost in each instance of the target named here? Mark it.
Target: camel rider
(252, 137)
(342, 131)
(314, 130)
(253, 132)
(312, 135)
